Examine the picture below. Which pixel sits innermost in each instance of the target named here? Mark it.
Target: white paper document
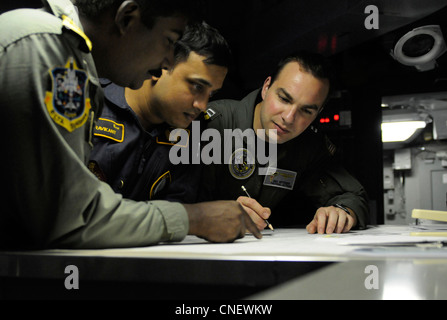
(292, 244)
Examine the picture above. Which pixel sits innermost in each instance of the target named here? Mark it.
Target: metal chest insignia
(160, 184)
(67, 103)
(210, 114)
(242, 164)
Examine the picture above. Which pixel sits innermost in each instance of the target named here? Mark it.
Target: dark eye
(197, 87)
(308, 111)
(284, 99)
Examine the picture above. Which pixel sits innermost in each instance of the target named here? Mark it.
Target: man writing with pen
(306, 166)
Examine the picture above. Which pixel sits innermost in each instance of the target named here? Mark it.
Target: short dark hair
(313, 63)
(151, 9)
(206, 41)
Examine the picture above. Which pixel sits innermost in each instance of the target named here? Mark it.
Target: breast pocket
(159, 187)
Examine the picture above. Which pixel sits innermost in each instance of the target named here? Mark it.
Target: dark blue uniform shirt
(135, 162)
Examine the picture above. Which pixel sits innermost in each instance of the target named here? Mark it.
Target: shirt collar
(116, 95)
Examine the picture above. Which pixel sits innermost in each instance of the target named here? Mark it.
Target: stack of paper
(430, 222)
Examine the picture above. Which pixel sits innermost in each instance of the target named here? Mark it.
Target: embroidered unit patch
(242, 164)
(67, 103)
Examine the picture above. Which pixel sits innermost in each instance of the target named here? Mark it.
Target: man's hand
(256, 212)
(331, 219)
(220, 221)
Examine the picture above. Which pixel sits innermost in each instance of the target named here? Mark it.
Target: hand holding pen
(256, 208)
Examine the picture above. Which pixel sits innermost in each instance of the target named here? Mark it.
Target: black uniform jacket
(306, 166)
(135, 162)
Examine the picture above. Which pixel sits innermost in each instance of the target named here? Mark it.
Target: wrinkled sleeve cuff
(176, 220)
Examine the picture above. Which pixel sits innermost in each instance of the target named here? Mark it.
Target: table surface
(281, 258)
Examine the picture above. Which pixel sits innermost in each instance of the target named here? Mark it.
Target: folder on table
(430, 223)
(430, 215)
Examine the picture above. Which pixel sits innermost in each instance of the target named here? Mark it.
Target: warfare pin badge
(67, 103)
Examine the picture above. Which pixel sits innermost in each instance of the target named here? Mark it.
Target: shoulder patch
(67, 103)
(109, 129)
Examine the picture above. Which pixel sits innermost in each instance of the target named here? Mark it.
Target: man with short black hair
(281, 113)
(132, 138)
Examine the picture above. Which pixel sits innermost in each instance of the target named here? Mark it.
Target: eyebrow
(288, 96)
(206, 84)
(312, 106)
(284, 92)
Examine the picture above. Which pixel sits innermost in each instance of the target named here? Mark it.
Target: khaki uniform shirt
(50, 98)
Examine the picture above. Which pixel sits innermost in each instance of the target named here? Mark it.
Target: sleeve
(53, 200)
(331, 184)
(336, 186)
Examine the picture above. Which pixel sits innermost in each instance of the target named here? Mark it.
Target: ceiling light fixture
(420, 48)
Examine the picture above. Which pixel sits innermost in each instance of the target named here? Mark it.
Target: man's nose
(289, 115)
(201, 103)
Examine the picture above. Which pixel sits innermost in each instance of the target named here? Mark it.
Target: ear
(157, 77)
(127, 15)
(266, 87)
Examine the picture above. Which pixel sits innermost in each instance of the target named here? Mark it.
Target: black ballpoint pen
(266, 221)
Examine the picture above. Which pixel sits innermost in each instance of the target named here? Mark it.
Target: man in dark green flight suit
(304, 159)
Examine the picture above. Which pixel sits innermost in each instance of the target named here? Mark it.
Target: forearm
(53, 199)
(219, 221)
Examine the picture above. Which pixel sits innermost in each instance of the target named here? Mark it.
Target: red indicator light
(322, 43)
(325, 120)
(334, 44)
(337, 117)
